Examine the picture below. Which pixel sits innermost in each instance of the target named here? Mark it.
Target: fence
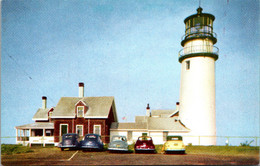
(221, 140)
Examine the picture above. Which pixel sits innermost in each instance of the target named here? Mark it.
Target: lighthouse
(197, 88)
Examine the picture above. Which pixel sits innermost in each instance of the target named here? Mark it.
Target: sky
(126, 49)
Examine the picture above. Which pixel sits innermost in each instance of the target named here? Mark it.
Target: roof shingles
(98, 107)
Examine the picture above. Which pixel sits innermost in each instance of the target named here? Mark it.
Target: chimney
(148, 113)
(44, 102)
(81, 89)
(177, 106)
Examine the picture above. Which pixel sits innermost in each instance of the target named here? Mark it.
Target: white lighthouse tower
(197, 89)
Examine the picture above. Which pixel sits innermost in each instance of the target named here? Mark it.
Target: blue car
(92, 142)
(70, 141)
(118, 143)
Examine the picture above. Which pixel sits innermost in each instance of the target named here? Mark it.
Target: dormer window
(80, 111)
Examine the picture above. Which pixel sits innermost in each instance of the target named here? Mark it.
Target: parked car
(70, 141)
(174, 144)
(118, 143)
(92, 142)
(144, 144)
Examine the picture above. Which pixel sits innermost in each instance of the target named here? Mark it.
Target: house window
(80, 111)
(187, 65)
(97, 129)
(63, 129)
(79, 129)
(49, 132)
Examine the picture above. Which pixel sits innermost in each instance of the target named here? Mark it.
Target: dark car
(70, 141)
(144, 144)
(92, 142)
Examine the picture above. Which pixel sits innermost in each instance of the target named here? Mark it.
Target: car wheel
(61, 149)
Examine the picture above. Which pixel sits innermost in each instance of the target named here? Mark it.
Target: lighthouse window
(187, 65)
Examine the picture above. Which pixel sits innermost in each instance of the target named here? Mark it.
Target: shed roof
(98, 107)
(129, 126)
(37, 125)
(162, 113)
(152, 123)
(166, 124)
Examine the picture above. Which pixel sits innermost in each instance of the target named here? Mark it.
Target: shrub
(158, 148)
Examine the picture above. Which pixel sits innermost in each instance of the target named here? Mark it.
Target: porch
(35, 133)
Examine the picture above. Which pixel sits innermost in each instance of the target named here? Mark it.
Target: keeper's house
(84, 115)
(80, 115)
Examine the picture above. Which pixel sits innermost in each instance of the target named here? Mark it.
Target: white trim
(40, 119)
(86, 117)
(67, 127)
(172, 114)
(82, 130)
(63, 117)
(99, 130)
(20, 128)
(147, 130)
(171, 130)
(129, 129)
(93, 117)
(83, 109)
(82, 102)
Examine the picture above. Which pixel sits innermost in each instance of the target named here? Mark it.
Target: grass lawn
(14, 149)
(7, 149)
(223, 150)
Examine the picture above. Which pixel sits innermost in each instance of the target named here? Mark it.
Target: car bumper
(117, 149)
(175, 150)
(89, 147)
(144, 149)
(68, 146)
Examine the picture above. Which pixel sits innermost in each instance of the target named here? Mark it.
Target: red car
(144, 144)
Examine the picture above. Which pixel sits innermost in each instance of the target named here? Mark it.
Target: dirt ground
(53, 156)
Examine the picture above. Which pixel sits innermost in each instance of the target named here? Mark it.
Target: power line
(25, 73)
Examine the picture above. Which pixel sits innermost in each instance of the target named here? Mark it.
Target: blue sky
(125, 49)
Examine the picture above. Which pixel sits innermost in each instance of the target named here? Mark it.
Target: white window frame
(99, 129)
(64, 125)
(80, 134)
(78, 111)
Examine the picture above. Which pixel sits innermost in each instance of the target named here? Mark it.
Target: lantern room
(199, 25)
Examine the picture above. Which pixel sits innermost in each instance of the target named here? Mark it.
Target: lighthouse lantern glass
(202, 26)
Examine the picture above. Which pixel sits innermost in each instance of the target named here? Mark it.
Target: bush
(246, 143)
(14, 149)
(158, 148)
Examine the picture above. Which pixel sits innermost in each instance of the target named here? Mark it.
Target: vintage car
(144, 144)
(92, 142)
(70, 141)
(174, 144)
(118, 143)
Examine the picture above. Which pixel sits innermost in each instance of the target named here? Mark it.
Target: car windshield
(146, 138)
(118, 138)
(68, 136)
(174, 138)
(91, 137)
